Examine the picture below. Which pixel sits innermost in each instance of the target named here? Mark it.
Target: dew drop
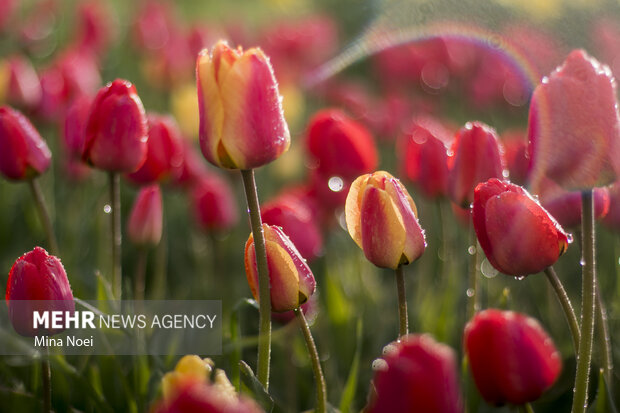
(335, 183)
(505, 173)
(470, 292)
(487, 269)
(618, 261)
(390, 348)
(379, 365)
(582, 262)
(471, 250)
(107, 208)
(450, 152)
(520, 278)
(569, 238)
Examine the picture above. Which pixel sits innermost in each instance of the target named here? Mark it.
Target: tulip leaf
(348, 394)
(603, 402)
(257, 390)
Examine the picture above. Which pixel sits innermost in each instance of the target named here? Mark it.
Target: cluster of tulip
(568, 159)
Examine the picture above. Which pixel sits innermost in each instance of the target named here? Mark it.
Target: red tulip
(74, 131)
(145, 220)
(574, 126)
(24, 87)
(297, 221)
(341, 146)
(193, 166)
(425, 155)
(242, 124)
(23, 153)
(518, 236)
(95, 26)
(517, 159)
(382, 220)
(476, 157)
(418, 375)
(153, 25)
(310, 309)
(511, 357)
(612, 219)
(37, 276)
(116, 131)
(291, 280)
(164, 152)
(213, 203)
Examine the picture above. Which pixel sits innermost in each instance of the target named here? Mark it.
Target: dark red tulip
(515, 154)
(612, 219)
(23, 153)
(95, 26)
(417, 375)
(74, 131)
(340, 145)
(424, 156)
(518, 236)
(146, 218)
(24, 87)
(193, 166)
(213, 203)
(116, 131)
(37, 276)
(298, 222)
(477, 155)
(574, 126)
(511, 357)
(164, 155)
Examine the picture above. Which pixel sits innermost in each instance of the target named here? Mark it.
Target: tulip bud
(37, 276)
(291, 280)
(116, 131)
(574, 126)
(476, 156)
(517, 159)
(214, 204)
(518, 236)
(242, 124)
(74, 131)
(23, 153)
(145, 220)
(164, 152)
(382, 220)
(425, 155)
(297, 221)
(511, 357)
(417, 374)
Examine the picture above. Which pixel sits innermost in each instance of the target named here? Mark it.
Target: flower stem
(44, 215)
(47, 382)
(264, 295)
(117, 238)
(139, 278)
(403, 323)
(473, 301)
(588, 301)
(569, 313)
(604, 341)
(321, 394)
(526, 408)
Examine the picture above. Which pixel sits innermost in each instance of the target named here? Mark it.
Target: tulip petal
(353, 208)
(211, 108)
(414, 238)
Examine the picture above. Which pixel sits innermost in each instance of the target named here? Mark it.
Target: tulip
(164, 152)
(574, 126)
(116, 130)
(340, 146)
(95, 26)
(291, 280)
(153, 25)
(425, 155)
(213, 203)
(517, 159)
(193, 166)
(476, 157)
(23, 153)
(310, 309)
(612, 220)
(297, 221)
(145, 220)
(382, 220)
(512, 359)
(74, 131)
(23, 87)
(242, 124)
(518, 236)
(37, 276)
(418, 374)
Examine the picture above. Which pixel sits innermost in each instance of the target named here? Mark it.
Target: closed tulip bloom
(116, 130)
(37, 276)
(425, 155)
(574, 126)
(518, 236)
(213, 203)
(340, 145)
(23, 87)
(517, 159)
(382, 220)
(145, 220)
(476, 157)
(23, 153)
(418, 375)
(164, 154)
(74, 130)
(242, 124)
(291, 280)
(512, 359)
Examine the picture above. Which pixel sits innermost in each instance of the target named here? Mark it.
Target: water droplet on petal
(520, 278)
(379, 365)
(390, 348)
(569, 238)
(107, 208)
(505, 173)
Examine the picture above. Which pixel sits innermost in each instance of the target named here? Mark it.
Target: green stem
(117, 238)
(403, 323)
(140, 276)
(526, 408)
(44, 215)
(47, 381)
(321, 394)
(264, 295)
(603, 338)
(588, 301)
(569, 313)
(473, 301)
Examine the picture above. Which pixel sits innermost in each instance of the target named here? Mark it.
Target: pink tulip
(146, 217)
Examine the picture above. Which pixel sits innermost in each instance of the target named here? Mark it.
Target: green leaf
(348, 394)
(603, 402)
(257, 390)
